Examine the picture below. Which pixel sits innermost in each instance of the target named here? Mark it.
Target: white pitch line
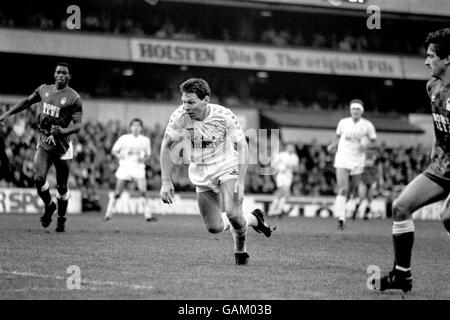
(40, 289)
(85, 282)
(48, 289)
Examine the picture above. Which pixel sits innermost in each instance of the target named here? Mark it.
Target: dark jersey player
(434, 183)
(59, 116)
(5, 169)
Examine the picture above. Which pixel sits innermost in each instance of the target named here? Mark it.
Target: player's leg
(209, 204)
(274, 204)
(418, 193)
(232, 205)
(369, 197)
(277, 205)
(62, 176)
(233, 208)
(360, 198)
(142, 187)
(120, 186)
(208, 198)
(445, 214)
(354, 183)
(240, 220)
(284, 195)
(284, 183)
(343, 185)
(42, 162)
(5, 166)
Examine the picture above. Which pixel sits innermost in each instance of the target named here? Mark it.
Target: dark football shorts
(369, 175)
(439, 171)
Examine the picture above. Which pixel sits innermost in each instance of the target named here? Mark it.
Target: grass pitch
(175, 258)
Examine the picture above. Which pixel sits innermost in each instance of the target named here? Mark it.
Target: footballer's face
(62, 76)
(136, 128)
(437, 65)
(194, 106)
(356, 113)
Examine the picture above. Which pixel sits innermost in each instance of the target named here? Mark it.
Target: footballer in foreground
(208, 132)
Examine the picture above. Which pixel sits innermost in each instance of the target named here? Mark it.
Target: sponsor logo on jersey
(441, 122)
(51, 110)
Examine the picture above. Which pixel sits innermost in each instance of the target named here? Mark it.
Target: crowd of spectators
(275, 92)
(255, 26)
(93, 167)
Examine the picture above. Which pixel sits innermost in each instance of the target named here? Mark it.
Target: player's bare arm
(367, 144)
(116, 153)
(167, 190)
(20, 106)
(296, 168)
(333, 146)
(147, 155)
(144, 159)
(74, 127)
(116, 150)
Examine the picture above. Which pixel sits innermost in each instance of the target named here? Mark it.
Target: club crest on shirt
(63, 100)
(447, 105)
(46, 94)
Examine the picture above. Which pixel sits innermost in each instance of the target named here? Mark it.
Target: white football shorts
(209, 177)
(283, 181)
(354, 165)
(130, 173)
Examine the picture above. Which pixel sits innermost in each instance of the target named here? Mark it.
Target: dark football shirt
(57, 107)
(440, 110)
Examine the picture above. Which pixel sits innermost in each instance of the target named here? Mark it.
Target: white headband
(357, 105)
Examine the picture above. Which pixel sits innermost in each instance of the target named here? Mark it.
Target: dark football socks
(62, 207)
(44, 193)
(403, 236)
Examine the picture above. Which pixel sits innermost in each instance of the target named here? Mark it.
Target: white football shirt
(132, 149)
(285, 163)
(212, 140)
(351, 134)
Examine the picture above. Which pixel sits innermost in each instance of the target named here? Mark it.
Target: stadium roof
(438, 8)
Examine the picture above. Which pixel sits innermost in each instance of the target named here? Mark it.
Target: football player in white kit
(217, 152)
(353, 135)
(132, 150)
(285, 163)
